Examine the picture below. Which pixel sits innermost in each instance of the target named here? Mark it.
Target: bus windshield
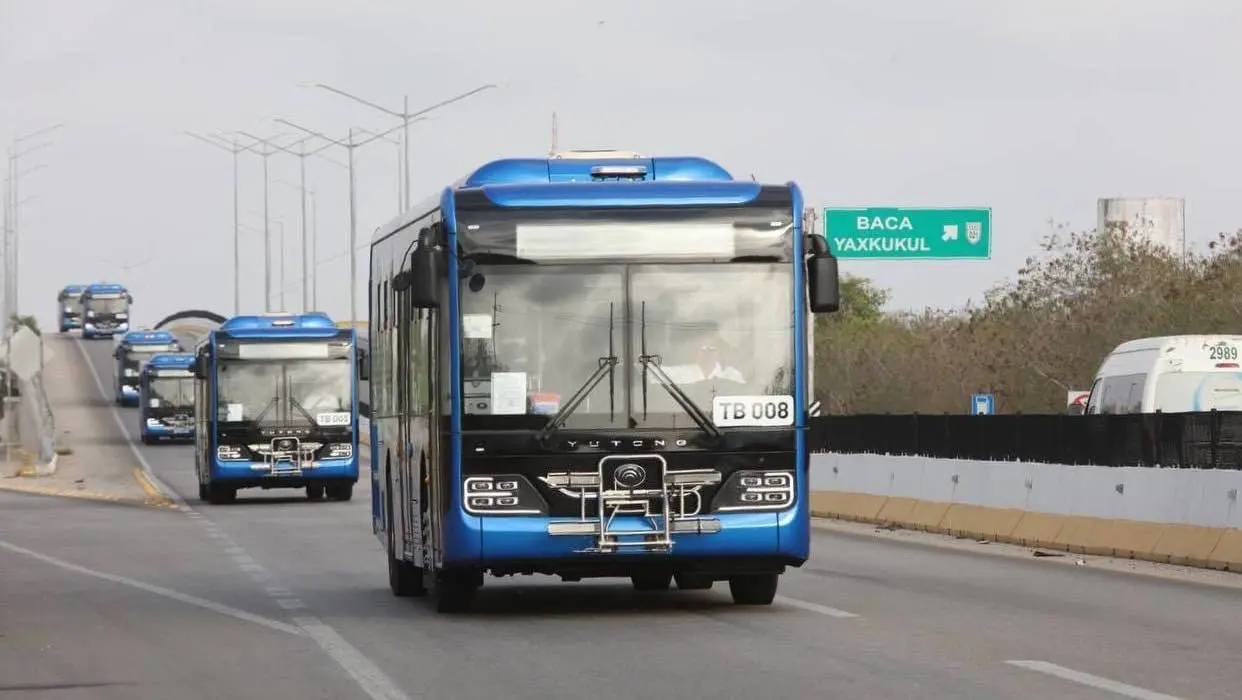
(285, 392)
(133, 356)
(170, 393)
(114, 305)
(533, 336)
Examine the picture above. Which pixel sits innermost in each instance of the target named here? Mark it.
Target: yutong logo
(629, 475)
(628, 443)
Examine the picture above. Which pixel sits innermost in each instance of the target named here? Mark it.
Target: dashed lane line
(369, 677)
(157, 590)
(1087, 679)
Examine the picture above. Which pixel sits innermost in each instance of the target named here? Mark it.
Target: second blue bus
(135, 348)
(105, 310)
(276, 406)
(166, 398)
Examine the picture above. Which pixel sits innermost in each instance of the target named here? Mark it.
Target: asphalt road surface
(276, 597)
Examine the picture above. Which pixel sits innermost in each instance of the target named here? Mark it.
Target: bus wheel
(754, 589)
(404, 579)
(203, 493)
(314, 492)
(219, 495)
(340, 492)
(651, 581)
(455, 589)
(693, 582)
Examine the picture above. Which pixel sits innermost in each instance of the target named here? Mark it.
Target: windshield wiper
(301, 409)
(607, 365)
(652, 362)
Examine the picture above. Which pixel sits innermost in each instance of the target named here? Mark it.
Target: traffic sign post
(909, 234)
(983, 404)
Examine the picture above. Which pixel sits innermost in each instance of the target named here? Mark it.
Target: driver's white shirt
(692, 374)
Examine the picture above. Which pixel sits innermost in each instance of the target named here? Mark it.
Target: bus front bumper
(155, 429)
(283, 474)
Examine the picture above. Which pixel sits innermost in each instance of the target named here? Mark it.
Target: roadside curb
(155, 497)
(24, 485)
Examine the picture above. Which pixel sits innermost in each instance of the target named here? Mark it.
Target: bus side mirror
(364, 366)
(129, 298)
(200, 367)
(424, 279)
(116, 353)
(823, 283)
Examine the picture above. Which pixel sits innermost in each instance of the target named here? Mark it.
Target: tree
(16, 322)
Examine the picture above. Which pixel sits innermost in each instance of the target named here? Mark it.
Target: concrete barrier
(1180, 516)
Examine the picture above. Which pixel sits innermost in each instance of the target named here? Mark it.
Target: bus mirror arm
(822, 277)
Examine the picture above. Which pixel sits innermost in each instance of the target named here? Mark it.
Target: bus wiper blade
(687, 404)
(301, 409)
(606, 366)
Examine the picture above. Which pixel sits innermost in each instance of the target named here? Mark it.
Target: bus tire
(754, 589)
(340, 492)
(651, 581)
(203, 493)
(218, 494)
(315, 492)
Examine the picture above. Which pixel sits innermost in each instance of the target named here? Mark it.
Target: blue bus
(276, 406)
(105, 310)
(135, 348)
(69, 307)
(166, 398)
(594, 365)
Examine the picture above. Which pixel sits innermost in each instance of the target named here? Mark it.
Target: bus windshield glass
(170, 394)
(133, 356)
(298, 392)
(533, 336)
(113, 305)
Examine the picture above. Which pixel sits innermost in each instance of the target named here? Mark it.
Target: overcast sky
(1034, 109)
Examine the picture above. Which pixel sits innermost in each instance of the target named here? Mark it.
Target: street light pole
(350, 146)
(15, 153)
(267, 153)
(406, 117)
(236, 150)
(301, 154)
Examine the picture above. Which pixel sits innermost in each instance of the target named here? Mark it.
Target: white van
(1172, 374)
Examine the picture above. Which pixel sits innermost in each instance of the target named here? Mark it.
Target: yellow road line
(155, 497)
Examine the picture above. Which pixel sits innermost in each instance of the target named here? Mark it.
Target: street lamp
(313, 282)
(280, 246)
(235, 149)
(267, 234)
(406, 117)
(301, 154)
(12, 250)
(349, 146)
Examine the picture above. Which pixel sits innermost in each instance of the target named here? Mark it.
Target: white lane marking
(815, 607)
(157, 590)
(1087, 679)
(365, 673)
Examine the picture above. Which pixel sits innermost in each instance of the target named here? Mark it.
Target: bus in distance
(166, 398)
(276, 406)
(105, 310)
(69, 307)
(135, 348)
(594, 365)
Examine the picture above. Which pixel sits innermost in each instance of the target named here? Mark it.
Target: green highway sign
(887, 233)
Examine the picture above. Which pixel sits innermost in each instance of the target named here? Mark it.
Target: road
(278, 598)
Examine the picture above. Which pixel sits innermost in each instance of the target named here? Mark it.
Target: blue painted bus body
(69, 307)
(131, 353)
(460, 489)
(166, 398)
(276, 406)
(105, 310)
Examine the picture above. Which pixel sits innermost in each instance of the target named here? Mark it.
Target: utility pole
(301, 154)
(236, 150)
(265, 154)
(407, 117)
(350, 145)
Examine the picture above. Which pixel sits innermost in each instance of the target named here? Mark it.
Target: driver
(707, 364)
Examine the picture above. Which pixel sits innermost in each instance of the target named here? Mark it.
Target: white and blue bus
(166, 398)
(105, 310)
(134, 349)
(69, 307)
(594, 365)
(276, 406)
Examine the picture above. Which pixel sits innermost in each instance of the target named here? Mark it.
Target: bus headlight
(231, 452)
(755, 490)
(503, 494)
(340, 450)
